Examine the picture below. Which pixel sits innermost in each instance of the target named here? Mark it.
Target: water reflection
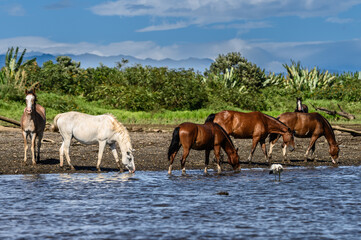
(96, 177)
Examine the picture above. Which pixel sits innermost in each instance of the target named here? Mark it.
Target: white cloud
(15, 10)
(269, 55)
(163, 27)
(222, 11)
(339, 20)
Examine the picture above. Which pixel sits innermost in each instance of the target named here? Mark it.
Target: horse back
(304, 124)
(241, 125)
(196, 136)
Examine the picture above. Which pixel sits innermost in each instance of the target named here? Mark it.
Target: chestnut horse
(308, 125)
(206, 137)
(32, 124)
(301, 107)
(255, 125)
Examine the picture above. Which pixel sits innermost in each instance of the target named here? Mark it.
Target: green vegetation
(149, 95)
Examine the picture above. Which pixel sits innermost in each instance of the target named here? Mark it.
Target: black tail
(174, 145)
(211, 117)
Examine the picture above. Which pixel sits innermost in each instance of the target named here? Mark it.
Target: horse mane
(210, 118)
(328, 125)
(225, 134)
(276, 119)
(118, 126)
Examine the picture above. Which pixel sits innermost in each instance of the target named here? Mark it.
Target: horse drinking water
(308, 125)
(89, 129)
(32, 124)
(255, 125)
(206, 137)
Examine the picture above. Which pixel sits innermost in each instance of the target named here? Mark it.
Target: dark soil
(151, 146)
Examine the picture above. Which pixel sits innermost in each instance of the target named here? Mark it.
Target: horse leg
(206, 161)
(217, 150)
(310, 146)
(40, 137)
(100, 153)
(264, 149)
(171, 160)
(272, 143)
(65, 147)
(184, 157)
(113, 147)
(33, 151)
(255, 140)
(284, 153)
(313, 152)
(25, 145)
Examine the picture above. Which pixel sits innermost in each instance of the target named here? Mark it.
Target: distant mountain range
(92, 60)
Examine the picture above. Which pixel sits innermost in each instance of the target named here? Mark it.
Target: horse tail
(175, 144)
(210, 118)
(54, 126)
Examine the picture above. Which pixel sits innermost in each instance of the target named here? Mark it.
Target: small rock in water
(223, 193)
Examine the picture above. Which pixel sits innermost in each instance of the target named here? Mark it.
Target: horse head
(334, 150)
(289, 139)
(30, 100)
(233, 159)
(128, 161)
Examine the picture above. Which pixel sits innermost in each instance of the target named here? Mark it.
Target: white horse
(89, 129)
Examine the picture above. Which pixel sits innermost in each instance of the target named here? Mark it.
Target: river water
(308, 203)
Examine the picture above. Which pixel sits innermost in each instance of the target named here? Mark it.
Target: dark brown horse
(208, 136)
(32, 124)
(308, 125)
(301, 107)
(255, 125)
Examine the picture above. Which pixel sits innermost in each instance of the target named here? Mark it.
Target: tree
(14, 68)
(246, 73)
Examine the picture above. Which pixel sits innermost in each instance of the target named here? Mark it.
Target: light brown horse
(32, 124)
(300, 107)
(308, 125)
(206, 137)
(255, 125)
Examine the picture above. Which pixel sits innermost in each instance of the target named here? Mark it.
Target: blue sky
(323, 33)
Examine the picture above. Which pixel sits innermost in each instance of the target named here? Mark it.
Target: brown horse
(301, 107)
(255, 125)
(32, 124)
(206, 137)
(308, 125)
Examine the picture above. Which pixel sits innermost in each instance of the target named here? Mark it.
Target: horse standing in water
(308, 125)
(301, 107)
(206, 137)
(255, 125)
(89, 129)
(32, 124)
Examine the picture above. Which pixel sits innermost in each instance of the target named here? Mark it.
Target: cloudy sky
(323, 33)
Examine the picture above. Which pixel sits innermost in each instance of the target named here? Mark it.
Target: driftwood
(5, 119)
(342, 129)
(333, 113)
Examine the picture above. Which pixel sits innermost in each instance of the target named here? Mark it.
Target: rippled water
(317, 203)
